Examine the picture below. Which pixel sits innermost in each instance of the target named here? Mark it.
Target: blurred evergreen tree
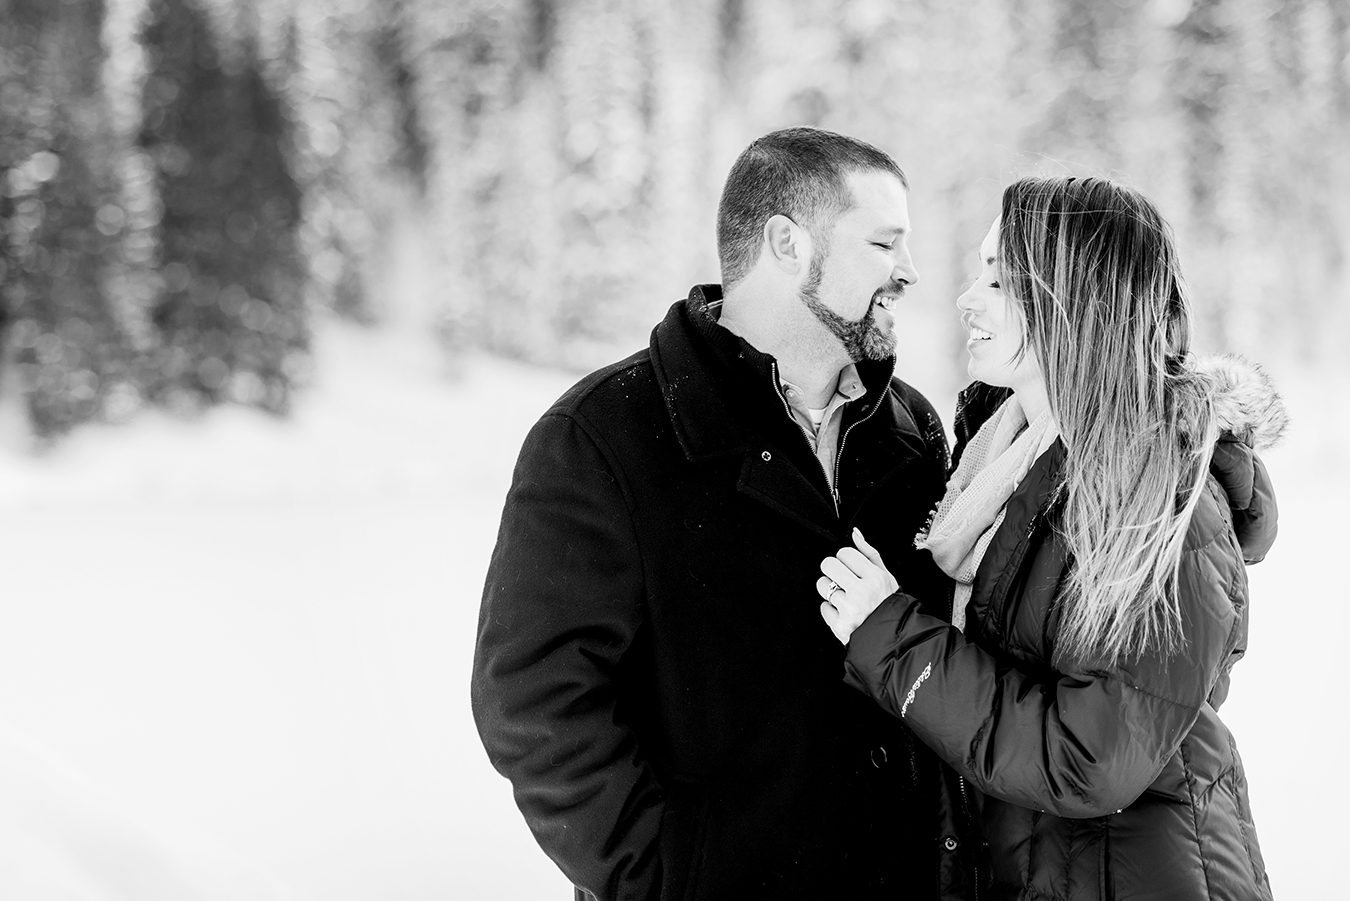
(360, 148)
(569, 166)
(60, 210)
(1094, 51)
(181, 180)
(1202, 91)
(1256, 85)
(477, 88)
(230, 313)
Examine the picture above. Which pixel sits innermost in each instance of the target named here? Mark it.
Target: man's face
(862, 266)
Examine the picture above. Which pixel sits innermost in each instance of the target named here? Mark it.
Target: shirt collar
(849, 386)
(712, 381)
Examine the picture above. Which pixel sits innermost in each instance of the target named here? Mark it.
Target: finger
(868, 551)
(825, 562)
(837, 628)
(825, 586)
(859, 565)
(835, 569)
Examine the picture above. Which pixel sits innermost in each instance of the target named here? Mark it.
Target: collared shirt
(822, 426)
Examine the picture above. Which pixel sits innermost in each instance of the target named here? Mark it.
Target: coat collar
(1024, 516)
(723, 399)
(720, 391)
(1034, 494)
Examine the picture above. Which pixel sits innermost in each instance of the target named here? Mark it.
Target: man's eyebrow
(890, 230)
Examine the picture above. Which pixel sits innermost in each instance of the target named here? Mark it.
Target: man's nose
(904, 271)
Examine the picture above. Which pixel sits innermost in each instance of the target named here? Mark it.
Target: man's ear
(787, 244)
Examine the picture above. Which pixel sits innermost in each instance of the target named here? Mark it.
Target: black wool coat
(1111, 782)
(652, 672)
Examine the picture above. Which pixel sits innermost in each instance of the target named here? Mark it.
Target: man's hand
(855, 582)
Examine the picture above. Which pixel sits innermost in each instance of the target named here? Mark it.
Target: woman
(1096, 538)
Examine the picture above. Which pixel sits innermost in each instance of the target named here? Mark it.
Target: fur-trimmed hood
(1246, 404)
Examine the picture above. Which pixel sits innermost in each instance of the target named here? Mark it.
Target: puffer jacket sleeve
(1082, 744)
(1251, 496)
(561, 607)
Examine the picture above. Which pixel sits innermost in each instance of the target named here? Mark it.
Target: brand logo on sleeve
(909, 698)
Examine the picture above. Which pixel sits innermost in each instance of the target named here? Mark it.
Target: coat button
(949, 843)
(878, 757)
(767, 456)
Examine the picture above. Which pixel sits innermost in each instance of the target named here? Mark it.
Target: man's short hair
(796, 172)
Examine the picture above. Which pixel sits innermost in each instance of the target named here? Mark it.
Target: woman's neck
(1033, 398)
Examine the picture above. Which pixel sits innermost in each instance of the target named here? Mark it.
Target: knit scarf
(993, 464)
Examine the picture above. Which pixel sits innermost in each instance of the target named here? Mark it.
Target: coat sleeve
(561, 607)
(1251, 496)
(1076, 745)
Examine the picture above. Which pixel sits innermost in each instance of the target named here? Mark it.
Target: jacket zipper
(1015, 564)
(965, 806)
(833, 486)
(839, 455)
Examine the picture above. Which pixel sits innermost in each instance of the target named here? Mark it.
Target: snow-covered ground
(234, 654)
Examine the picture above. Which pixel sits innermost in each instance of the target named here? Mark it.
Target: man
(652, 671)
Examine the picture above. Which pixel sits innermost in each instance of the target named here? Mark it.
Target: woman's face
(996, 328)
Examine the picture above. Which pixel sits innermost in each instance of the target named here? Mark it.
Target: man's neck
(817, 385)
(808, 355)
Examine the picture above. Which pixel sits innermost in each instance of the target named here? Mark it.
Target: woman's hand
(855, 583)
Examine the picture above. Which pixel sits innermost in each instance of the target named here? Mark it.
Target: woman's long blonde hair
(1093, 269)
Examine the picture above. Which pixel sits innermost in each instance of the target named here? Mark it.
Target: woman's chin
(999, 376)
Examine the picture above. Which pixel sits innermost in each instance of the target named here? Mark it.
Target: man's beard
(863, 339)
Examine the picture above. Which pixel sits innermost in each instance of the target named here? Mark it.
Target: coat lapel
(720, 398)
(781, 487)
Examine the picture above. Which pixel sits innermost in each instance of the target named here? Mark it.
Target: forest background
(283, 282)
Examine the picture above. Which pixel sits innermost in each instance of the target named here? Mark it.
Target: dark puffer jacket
(1111, 783)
